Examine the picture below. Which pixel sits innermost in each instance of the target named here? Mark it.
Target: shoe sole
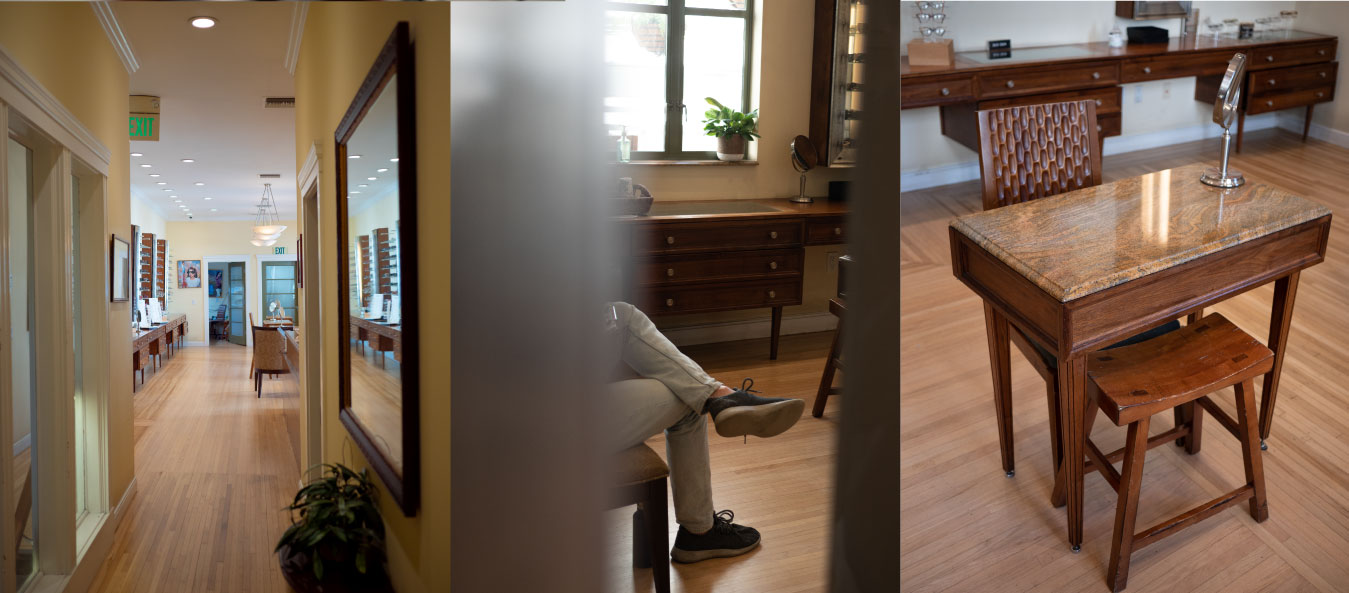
(761, 421)
(691, 556)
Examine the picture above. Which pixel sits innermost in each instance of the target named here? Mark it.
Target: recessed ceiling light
(380, 170)
(176, 201)
(202, 22)
(161, 183)
(372, 178)
(353, 156)
(213, 210)
(137, 154)
(173, 196)
(167, 189)
(364, 185)
(393, 160)
(206, 199)
(189, 161)
(198, 183)
(154, 174)
(145, 166)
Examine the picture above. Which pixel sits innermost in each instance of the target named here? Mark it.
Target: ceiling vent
(269, 175)
(279, 103)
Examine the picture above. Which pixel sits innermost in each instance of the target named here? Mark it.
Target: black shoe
(724, 540)
(743, 413)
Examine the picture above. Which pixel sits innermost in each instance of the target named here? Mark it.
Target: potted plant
(336, 539)
(733, 129)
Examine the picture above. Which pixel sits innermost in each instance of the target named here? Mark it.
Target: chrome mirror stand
(1223, 177)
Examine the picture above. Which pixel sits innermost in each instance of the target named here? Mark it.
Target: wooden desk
(381, 337)
(157, 342)
(1286, 69)
(726, 255)
(1087, 268)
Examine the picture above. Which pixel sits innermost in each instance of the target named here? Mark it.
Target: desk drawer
(1109, 125)
(1278, 57)
(684, 237)
(1177, 66)
(1269, 103)
(712, 267)
(1107, 99)
(1297, 78)
(720, 297)
(936, 92)
(825, 231)
(1023, 81)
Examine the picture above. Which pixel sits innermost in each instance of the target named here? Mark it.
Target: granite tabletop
(1077, 243)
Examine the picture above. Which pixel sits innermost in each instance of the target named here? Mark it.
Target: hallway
(214, 467)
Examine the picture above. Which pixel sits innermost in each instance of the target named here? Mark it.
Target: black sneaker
(724, 540)
(743, 413)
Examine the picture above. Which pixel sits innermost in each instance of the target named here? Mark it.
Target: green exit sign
(279, 250)
(144, 127)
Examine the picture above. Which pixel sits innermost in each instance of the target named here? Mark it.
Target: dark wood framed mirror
(377, 281)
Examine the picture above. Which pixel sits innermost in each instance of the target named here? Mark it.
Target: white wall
(1155, 111)
(146, 217)
(1329, 122)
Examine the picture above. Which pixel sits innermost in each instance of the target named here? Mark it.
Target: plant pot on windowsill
(732, 128)
(731, 148)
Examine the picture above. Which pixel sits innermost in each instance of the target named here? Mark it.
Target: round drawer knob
(1269, 103)
(1095, 75)
(1269, 58)
(1099, 128)
(1147, 70)
(945, 91)
(772, 265)
(1320, 94)
(669, 240)
(772, 294)
(772, 234)
(669, 272)
(1271, 82)
(669, 302)
(1323, 74)
(1010, 84)
(1098, 102)
(1320, 52)
(838, 230)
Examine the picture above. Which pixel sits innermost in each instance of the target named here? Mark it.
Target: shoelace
(721, 520)
(746, 386)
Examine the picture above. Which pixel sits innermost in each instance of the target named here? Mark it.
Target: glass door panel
(23, 364)
(279, 289)
(238, 305)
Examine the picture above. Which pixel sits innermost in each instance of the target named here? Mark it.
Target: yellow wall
(341, 41)
(193, 240)
(63, 46)
(784, 50)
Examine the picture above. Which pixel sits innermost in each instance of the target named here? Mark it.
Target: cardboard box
(937, 53)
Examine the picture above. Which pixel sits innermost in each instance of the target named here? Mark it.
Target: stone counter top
(1081, 242)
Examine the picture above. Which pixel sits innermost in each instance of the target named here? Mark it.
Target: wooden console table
(726, 255)
(1284, 69)
(381, 337)
(157, 342)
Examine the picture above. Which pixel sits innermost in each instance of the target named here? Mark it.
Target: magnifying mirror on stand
(804, 158)
(1224, 111)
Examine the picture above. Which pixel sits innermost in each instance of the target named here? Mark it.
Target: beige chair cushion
(637, 465)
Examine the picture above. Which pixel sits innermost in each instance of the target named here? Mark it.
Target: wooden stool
(1174, 371)
(838, 307)
(640, 478)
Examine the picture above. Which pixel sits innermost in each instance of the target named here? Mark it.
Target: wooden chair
(253, 325)
(269, 354)
(1027, 153)
(834, 362)
(640, 478)
(1173, 372)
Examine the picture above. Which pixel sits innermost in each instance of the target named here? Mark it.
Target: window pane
(635, 46)
(714, 66)
(23, 363)
(719, 4)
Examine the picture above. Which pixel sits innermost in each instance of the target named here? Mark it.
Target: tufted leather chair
(1037, 151)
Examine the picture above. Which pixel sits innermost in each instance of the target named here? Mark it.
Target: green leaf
(360, 562)
(318, 566)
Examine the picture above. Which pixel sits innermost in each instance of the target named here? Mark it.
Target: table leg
(1280, 322)
(1307, 125)
(1000, 360)
(777, 330)
(1241, 124)
(1073, 400)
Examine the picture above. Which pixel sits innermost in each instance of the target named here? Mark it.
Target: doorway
(237, 302)
(226, 306)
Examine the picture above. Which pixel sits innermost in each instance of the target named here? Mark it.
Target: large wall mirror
(376, 209)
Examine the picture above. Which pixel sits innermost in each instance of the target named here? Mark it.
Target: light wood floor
(782, 486)
(967, 528)
(214, 467)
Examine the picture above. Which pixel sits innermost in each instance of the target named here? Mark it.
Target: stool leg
(999, 355)
(827, 378)
(658, 534)
(1126, 510)
(1250, 448)
(641, 547)
(1189, 414)
(1055, 435)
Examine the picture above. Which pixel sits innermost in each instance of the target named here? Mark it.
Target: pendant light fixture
(266, 225)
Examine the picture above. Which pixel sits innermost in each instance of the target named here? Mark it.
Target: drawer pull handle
(1147, 70)
(669, 240)
(1271, 82)
(838, 230)
(669, 272)
(1320, 94)
(772, 265)
(1098, 102)
(1010, 84)
(945, 91)
(1095, 75)
(1099, 128)
(1269, 103)
(669, 302)
(1323, 74)
(1320, 52)
(772, 234)
(1269, 58)
(772, 294)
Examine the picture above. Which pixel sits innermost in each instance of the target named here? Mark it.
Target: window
(662, 58)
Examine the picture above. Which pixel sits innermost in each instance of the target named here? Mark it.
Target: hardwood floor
(965, 527)
(782, 486)
(214, 466)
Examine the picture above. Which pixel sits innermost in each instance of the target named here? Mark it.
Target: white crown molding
(24, 93)
(113, 29)
(296, 36)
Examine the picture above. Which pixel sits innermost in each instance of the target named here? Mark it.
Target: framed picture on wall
(215, 281)
(120, 277)
(189, 273)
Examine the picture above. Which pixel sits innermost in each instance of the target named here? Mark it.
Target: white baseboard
(22, 444)
(195, 343)
(125, 502)
(969, 171)
(1317, 131)
(749, 329)
(79, 580)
